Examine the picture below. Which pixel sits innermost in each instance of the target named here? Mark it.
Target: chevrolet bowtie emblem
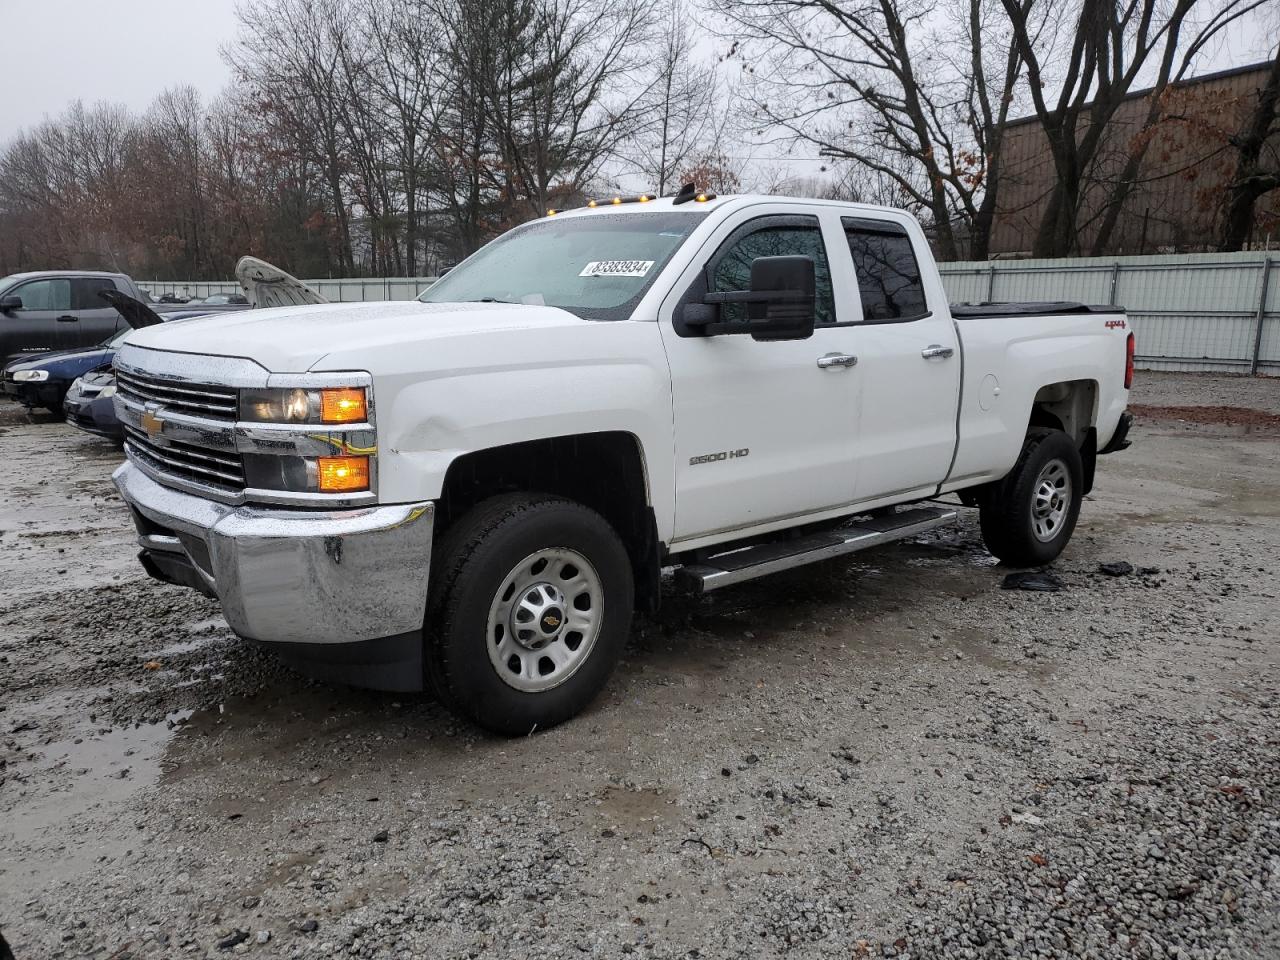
(152, 424)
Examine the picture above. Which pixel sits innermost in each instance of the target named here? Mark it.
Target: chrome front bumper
(291, 577)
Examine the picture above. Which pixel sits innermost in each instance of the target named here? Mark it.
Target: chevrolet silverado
(472, 493)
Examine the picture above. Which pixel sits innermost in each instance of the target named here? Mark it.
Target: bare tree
(1257, 169)
(678, 116)
(890, 86)
(463, 135)
(565, 99)
(1111, 44)
(289, 54)
(408, 77)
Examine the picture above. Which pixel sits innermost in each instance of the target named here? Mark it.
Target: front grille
(197, 399)
(213, 468)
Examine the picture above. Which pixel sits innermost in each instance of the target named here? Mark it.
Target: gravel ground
(885, 757)
(1208, 389)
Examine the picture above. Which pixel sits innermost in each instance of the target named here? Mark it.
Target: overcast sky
(123, 51)
(128, 51)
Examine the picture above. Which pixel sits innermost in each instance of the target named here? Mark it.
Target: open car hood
(269, 286)
(136, 313)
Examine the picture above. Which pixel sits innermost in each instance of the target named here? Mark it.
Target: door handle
(935, 350)
(67, 318)
(837, 360)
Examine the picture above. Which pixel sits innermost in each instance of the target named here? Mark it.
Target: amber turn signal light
(345, 405)
(342, 474)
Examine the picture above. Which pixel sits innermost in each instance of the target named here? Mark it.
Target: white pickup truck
(472, 492)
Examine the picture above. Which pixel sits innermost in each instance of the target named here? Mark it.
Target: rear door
(908, 361)
(763, 433)
(38, 326)
(96, 320)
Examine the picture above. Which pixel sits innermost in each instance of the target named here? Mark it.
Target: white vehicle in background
(472, 492)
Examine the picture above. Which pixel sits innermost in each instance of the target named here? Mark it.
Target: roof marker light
(690, 192)
(613, 202)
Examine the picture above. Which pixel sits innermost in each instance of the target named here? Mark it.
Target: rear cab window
(884, 260)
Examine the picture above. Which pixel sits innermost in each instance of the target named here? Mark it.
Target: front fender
(523, 385)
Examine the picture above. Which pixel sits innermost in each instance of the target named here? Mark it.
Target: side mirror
(790, 286)
(780, 303)
(9, 304)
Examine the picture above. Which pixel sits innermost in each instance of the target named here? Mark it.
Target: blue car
(44, 380)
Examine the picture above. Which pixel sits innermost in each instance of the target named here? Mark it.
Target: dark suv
(57, 310)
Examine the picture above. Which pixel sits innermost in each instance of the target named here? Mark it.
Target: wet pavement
(833, 761)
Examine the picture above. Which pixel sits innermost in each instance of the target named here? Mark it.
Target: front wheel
(530, 608)
(1028, 517)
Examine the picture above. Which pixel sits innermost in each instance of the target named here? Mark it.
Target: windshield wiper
(491, 300)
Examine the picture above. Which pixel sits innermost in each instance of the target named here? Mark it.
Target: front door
(763, 432)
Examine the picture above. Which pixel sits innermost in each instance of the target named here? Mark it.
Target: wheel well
(1069, 406)
(603, 471)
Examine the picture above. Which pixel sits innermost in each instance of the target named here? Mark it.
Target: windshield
(597, 267)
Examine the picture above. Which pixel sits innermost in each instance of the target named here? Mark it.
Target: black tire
(1009, 528)
(471, 564)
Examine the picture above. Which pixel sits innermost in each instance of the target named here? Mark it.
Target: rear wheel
(530, 608)
(1029, 516)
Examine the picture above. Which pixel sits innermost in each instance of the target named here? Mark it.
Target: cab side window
(84, 293)
(733, 270)
(51, 294)
(888, 274)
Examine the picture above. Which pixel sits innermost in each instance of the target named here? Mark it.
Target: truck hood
(295, 339)
(136, 313)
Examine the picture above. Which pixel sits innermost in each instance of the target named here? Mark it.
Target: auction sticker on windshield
(616, 268)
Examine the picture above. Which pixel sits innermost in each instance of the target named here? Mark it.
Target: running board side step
(747, 563)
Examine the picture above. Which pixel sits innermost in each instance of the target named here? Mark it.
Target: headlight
(301, 405)
(30, 376)
(108, 391)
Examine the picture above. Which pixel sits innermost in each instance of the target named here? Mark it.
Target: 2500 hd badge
(722, 455)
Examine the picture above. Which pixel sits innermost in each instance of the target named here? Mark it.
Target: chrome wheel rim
(1051, 501)
(544, 619)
